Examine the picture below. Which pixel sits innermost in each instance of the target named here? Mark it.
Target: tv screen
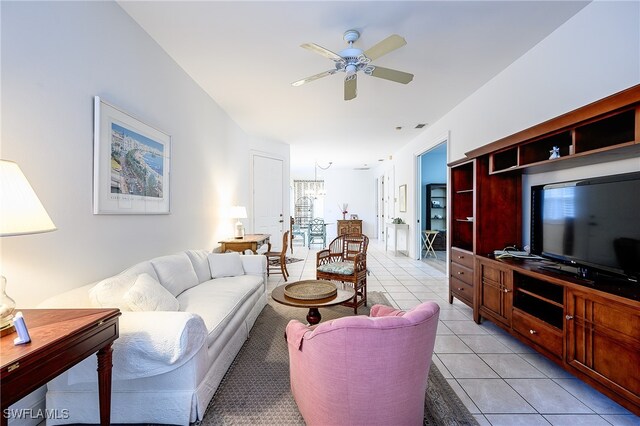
(592, 222)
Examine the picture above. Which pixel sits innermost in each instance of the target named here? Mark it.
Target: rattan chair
(281, 256)
(346, 261)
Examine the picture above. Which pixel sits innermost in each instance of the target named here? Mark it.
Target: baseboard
(30, 410)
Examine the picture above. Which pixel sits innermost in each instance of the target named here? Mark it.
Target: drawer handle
(569, 317)
(460, 257)
(533, 331)
(506, 290)
(460, 289)
(460, 273)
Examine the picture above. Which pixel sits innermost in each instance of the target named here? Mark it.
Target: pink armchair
(361, 370)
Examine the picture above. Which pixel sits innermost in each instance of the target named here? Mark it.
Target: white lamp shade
(238, 212)
(21, 212)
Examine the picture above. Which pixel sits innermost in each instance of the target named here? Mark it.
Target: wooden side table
(313, 316)
(60, 338)
(248, 242)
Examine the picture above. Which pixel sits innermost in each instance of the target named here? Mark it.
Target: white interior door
(268, 211)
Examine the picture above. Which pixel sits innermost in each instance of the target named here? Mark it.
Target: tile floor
(500, 380)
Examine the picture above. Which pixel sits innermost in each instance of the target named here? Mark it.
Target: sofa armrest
(154, 342)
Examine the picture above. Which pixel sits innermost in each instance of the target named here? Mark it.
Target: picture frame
(402, 198)
(131, 164)
(354, 217)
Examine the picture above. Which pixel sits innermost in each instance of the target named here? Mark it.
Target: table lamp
(21, 213)
(239, 212)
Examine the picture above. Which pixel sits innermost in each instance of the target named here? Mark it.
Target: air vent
(420, 126)
(361, 168)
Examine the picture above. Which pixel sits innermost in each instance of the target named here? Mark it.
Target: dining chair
(317, 231)
(281, 256)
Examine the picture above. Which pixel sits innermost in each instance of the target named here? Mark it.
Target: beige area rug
(256, 389)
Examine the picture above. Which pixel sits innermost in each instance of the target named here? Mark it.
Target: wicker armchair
(346, 261)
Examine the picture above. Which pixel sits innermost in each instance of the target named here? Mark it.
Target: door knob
(569, 317)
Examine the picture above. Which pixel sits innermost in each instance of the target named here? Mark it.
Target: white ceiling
(247, 54)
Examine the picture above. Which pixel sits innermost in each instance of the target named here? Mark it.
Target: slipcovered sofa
(185, 317)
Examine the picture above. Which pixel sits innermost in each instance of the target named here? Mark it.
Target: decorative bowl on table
(310, 290)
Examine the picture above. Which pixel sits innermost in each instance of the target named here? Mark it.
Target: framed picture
(131, 164)
(354, 217)
(402, 198)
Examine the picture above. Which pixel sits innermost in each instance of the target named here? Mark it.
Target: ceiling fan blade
(393, 75)
(350, 87)
(313, 77)
(322, 51)
(387, 45)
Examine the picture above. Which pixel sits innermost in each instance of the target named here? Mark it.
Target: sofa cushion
(147, 294)
(200, 264)
(109, 293)
(225, 265)
(217, 300)
(142, 268)
(175, 272)
(342, 268)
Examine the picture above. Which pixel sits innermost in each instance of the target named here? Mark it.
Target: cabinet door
(603, 341)
(495, 293)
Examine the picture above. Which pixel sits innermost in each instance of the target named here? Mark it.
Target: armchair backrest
(348, 245)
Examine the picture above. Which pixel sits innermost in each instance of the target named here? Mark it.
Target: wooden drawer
(538, 332)
(462, 257)
(462, 289)
(460, 272)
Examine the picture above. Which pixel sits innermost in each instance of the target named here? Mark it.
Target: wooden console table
(249, 242)
(60, 338)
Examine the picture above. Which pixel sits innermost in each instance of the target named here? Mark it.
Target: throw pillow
(225, 265)
(175, 272)
(147, 294)
(109, 292)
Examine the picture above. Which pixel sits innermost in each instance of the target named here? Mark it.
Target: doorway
(268, 208)
(432, 204)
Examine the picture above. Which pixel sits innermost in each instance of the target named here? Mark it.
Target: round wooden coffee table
(313, 317)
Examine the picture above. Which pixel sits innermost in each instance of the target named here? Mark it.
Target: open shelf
(610, 131)
(540, 299)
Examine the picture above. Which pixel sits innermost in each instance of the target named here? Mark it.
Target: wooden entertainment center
(590, 328)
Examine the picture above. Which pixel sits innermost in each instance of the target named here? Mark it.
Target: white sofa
(166, 364)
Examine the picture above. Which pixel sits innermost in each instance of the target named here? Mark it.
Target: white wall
(594, 54)
(55, 57)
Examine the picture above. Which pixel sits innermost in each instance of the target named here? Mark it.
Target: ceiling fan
(351, 60)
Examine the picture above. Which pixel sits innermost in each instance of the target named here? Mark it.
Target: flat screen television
(593, 224)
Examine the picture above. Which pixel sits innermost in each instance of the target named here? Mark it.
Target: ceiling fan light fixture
(350, 69)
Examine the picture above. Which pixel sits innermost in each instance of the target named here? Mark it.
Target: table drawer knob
(532, 332)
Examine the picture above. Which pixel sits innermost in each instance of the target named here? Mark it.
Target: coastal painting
(131, 164)
(136, 163)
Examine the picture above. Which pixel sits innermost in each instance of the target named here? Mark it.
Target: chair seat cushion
(341, 268)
